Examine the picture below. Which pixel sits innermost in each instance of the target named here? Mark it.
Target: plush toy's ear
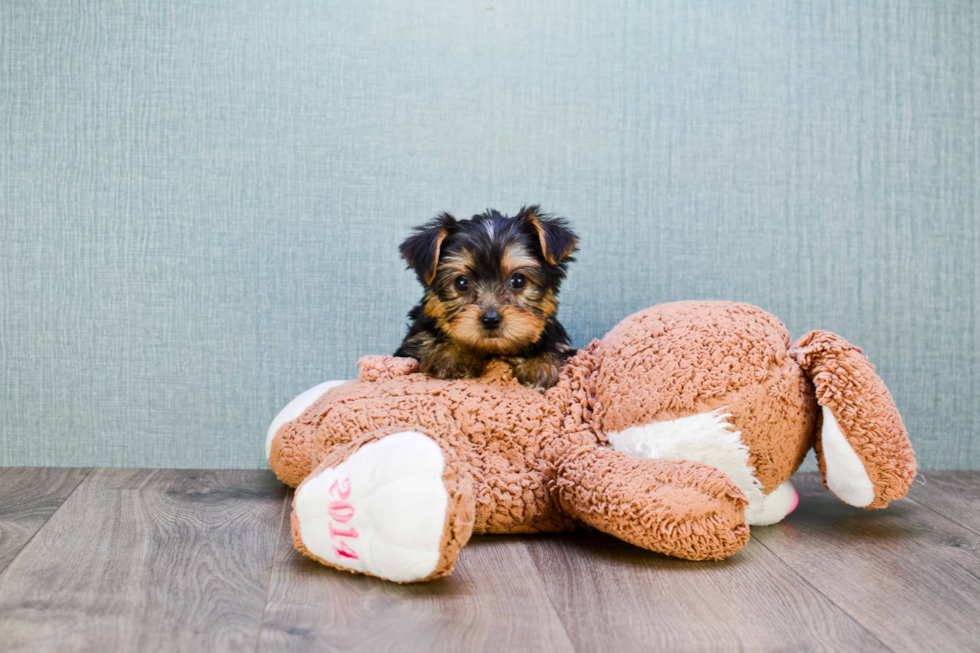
(863, 450)
(421, 250)
(557, 240)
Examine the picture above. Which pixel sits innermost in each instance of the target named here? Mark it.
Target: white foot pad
(382, 511)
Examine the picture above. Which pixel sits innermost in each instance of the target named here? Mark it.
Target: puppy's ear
(557, 240)
(421, 249)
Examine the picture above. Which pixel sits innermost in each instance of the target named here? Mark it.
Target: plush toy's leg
(289, 442)
(863, 451)
(681, 508)
(295, 408)
(394, 505)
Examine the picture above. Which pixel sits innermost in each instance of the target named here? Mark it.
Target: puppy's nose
(490, 320)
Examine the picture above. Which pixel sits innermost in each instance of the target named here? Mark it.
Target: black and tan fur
(491, 291)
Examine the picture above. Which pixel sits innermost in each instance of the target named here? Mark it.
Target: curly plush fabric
(377, 368)
(846, 383)
(680, 508)
(522, 461)
(702, 356)
(511, 484)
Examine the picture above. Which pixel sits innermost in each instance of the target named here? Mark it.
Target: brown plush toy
(675, 432)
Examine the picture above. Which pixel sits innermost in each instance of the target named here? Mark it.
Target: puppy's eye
(518, 281)
(462, 284)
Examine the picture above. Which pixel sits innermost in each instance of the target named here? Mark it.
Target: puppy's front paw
(448, 364)
(447, 370)
(540, 372)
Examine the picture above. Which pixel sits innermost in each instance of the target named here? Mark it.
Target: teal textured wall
(201, 201)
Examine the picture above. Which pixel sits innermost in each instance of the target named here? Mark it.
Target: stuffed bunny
(676, 432)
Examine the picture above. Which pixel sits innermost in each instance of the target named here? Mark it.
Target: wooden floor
(159, 560)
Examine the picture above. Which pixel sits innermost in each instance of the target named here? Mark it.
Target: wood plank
(493, 601)
(147, 560)
(906, 573)
(954, 495)
(617, 597)
(28, 498)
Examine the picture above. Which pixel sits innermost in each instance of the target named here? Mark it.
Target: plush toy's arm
(681, 508)
(381, 368)
(863, 451)
(685, 509)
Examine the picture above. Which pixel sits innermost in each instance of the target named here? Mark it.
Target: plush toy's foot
(396, 508)
(773, 507)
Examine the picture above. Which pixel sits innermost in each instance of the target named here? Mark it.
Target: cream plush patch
(382, 511)
(846, 476)
(710, 439)
(294, 409)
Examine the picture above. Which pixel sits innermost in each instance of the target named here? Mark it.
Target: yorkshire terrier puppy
(491, 291)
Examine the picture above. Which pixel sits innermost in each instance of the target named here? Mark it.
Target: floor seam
(818, 591)
(46, 522)
(544, 588)
(272, 568)
(943, 515)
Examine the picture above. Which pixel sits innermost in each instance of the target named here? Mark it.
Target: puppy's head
(491, 281)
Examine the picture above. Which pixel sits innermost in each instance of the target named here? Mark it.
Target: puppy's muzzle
(491, 320)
